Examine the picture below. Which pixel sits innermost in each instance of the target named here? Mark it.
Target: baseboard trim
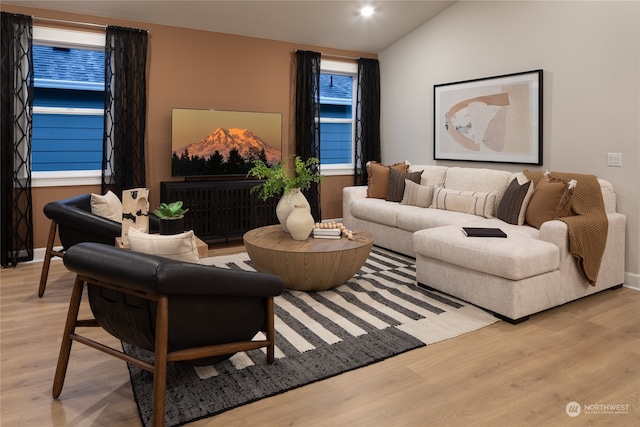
(632, 281)
(38, 254)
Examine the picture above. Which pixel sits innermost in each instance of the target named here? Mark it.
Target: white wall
(590, 54)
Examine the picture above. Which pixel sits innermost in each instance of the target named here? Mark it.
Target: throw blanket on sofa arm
(588, 226)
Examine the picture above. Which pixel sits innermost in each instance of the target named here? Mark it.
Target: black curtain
(308, 117)
(123, 163)
(16, 106)
(367, 118)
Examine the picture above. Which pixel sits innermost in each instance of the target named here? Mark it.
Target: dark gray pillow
(395, 190)
(511, 203)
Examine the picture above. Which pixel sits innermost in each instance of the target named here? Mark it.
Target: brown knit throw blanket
(588, 225)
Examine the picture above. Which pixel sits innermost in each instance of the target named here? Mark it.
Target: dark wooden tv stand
(220, 209)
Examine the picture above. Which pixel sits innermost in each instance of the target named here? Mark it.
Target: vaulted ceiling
(336, 24)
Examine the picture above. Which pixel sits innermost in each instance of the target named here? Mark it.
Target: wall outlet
(614, 159)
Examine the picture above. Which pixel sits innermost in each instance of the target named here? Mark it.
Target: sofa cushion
(181, 247)
(472, 202)
(515, 258)
(416, 194)
(483, 180)
(550, 200)
(431, 174)
(378, 174)
(375, 210)
(514, 202)
(396, 183)
(107, 206)
(413, 218)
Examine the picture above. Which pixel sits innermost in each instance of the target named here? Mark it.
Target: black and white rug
(378, 314)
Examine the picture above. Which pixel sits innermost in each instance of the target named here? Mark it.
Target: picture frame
(493, 119)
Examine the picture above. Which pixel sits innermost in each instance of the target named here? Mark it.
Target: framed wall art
(492, 119)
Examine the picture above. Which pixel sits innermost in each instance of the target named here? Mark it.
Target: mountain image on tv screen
(209, 142)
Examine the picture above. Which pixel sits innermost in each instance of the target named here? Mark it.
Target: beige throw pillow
(181, 247)
(472, 202)
(416, 194)
(107, 206)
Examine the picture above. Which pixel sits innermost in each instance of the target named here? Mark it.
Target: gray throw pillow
(395, 190)
(510, 209)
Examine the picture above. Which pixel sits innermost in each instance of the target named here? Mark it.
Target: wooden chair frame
(162, 355)
(49, 253)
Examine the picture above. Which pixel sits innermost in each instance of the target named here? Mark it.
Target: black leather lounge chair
(182, 312)
(74, 222)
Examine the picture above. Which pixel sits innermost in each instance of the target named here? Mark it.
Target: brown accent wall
(331, 190)
(207, 70)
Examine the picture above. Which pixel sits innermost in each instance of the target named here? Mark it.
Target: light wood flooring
(587, 351)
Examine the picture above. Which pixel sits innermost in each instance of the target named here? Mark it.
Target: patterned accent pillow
(472, 202)
(514, 202)
(181, 247)
(395, 191)
(107, 206)
(417, 195)
(379, 178)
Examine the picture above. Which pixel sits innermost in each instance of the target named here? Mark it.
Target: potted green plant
(280, 181)
(171, 217)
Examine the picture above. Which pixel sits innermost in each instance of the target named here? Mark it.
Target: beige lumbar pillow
(181, 247)
(107, 206)
(472, 202)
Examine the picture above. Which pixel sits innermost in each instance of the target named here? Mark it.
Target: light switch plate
(614, 159)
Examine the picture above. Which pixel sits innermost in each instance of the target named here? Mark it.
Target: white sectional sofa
(529, 271)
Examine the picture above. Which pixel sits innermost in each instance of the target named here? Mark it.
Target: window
(68, 107)
(338, 82)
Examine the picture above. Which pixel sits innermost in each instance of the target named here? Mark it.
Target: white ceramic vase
(300, 222)
(287, 203)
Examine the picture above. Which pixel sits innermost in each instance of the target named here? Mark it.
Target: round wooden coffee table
(307, 265)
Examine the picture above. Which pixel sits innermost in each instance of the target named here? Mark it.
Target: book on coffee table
(327, 232)
(327, 236)
(483, 232)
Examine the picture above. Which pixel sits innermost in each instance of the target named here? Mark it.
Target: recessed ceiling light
(367, 11)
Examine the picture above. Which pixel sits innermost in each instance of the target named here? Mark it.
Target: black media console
(220, 210)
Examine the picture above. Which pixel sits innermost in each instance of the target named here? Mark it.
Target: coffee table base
(311, 265)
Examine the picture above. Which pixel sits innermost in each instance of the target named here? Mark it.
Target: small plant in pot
(171, 217)
(279, 180)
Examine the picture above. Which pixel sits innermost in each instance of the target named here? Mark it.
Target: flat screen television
(211, 143)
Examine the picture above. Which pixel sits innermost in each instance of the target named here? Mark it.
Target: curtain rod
(331, 55)
(62, 21)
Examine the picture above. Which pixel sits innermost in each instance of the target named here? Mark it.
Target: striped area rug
(379, 313)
